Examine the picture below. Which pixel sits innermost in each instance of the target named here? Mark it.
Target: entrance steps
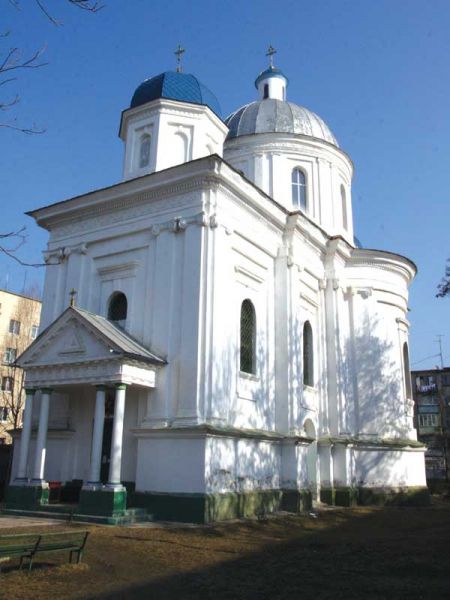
(68, 512)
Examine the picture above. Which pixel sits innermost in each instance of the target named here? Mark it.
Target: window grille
(308, 355)
(406, 371)
(248, 338)
(299, 189)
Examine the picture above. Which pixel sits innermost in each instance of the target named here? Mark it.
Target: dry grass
(349, 553)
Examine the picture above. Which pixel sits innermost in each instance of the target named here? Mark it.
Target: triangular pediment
(78, 336)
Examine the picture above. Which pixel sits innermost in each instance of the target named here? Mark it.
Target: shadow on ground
(391, 553)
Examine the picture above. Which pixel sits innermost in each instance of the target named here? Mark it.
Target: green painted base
(296, 501)
(411, 496)
(207, 508)
(26, 497)
(103, 503)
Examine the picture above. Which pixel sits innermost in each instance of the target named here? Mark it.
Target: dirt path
(348, 553)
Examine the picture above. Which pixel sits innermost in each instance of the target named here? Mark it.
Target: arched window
(266, 91)
(406, 371)
(118, 308)
(144, 150)
(248, 338)
(344, 208)
(308, 355)
(299, 189)
(179, 149)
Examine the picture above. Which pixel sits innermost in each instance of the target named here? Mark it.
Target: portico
(80, 352)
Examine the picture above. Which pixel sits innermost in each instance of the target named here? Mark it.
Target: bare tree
(23, 329)
(13, 60)
(444, 286)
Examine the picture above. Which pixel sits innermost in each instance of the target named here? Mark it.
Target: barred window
(248, 338)
(299, 197)
(406, 371)
(118, 308)
(308, 355)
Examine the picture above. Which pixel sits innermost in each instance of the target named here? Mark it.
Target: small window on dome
(144, 150)
(299, 197)
(266, 91)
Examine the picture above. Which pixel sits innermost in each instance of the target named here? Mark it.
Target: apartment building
(431, 392)
(19, 324)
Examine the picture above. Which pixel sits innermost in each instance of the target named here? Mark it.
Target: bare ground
(390, 553)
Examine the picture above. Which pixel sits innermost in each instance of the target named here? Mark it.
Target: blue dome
(175, 86)
(270, 72)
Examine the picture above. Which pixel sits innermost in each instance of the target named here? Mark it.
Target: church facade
(229, 349)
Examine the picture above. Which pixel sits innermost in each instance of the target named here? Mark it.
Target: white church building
(213, 342)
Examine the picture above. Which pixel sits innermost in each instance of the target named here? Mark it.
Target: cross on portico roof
(72, 294)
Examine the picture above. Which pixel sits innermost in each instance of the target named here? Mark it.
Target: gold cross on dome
(72, 294)
(179, 53)
(270, 52)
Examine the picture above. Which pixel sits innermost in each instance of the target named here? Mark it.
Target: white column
(41, 442)
(25, 439)
(117, 439)
(97, 439)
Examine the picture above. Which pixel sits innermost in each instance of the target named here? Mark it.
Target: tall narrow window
(406, 371)
(299, 189)
(248, 338)
(144, 151)
(308, 355)
(266, 91)
(118, 308)
(344, 208)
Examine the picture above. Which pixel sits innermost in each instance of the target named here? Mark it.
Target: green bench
(27, 545)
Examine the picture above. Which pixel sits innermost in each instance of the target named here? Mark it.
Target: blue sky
(377, 72)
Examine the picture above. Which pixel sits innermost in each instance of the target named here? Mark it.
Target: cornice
(385, 261)
(285, 142)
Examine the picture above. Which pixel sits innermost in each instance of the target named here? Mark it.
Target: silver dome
(269, 115)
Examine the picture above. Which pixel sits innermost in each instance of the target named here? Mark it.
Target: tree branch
(89, 5)
(27, 130)
(444, 286)
(21, 238)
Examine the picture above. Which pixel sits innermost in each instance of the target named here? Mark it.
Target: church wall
(391, 468)
(268, 160)
(243, 264)
(170, 463)
(241, 465)
(158, 270)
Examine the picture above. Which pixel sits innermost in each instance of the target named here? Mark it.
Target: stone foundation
(347, 496)
(28, 497)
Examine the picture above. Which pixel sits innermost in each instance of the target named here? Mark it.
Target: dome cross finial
(179, 53)
(270, 52)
